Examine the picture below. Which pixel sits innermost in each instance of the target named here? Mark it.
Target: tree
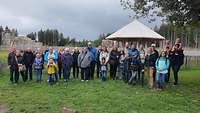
(181, 12)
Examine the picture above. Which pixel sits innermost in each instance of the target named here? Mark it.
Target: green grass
(101, 97)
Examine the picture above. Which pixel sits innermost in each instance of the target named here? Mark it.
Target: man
(93, 52)
(28, 61)
(75, 63)
(98, 60)
(13, 66)
(133, 64)
(155, 55)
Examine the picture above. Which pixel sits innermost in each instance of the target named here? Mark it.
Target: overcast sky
(75, 18)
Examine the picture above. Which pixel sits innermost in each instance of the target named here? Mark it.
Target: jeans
(122, 72)
(66, 73)
(14, 74)
(160, 80)
(29, 71)
(38, 74)
(51, 78)
(132, 80)
(103, 75)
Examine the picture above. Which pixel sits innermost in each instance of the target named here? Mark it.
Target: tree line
(52, 37)
(189, 35)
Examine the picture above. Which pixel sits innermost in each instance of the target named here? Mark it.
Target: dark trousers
(175, 69)
(14, 75)
(75, 71)
(66, 73)
(168, 75)
(60, 70)
(85, 73)
(92, 68)
(98, 69)
(24, 77)
(28, 72)
(113, 71)
(51, 78)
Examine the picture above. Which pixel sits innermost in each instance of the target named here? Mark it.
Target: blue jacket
(132, 52)
(162, 65)
(46, 56)
(94, 53)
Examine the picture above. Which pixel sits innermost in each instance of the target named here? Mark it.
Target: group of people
(132, 64)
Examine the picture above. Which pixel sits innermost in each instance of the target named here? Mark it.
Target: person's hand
(9, 66)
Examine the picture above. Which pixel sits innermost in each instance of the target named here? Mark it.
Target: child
(122, 65)
(103, 69)
(38, 66)
(51, 70)
(162, 65)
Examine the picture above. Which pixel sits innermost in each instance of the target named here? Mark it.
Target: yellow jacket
(51, 68)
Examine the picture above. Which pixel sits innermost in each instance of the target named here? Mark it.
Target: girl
(38, 66)
(103, 69)
(162, 65)
(51, 70)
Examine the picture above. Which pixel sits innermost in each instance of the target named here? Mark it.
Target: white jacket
(105, 55)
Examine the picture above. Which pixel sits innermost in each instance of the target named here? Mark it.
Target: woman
(21, 66)
(177, 58)
(114, 61)
(142, 62)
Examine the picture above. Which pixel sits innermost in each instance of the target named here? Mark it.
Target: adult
(21, 66)
(98, 60)
(155, 54)
(75, 63)
(177, 61)
(60, 55)
(93, 54)
(67, 61)
(133, 64)
(114, 61)
(150, 61)
(13, 66)
(28, 61)
(84, 61)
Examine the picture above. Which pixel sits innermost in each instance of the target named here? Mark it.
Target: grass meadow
(99, 97)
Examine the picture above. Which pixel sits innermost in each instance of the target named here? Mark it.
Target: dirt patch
(66, 110)
(3, 109)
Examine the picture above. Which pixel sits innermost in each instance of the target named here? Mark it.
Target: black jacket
(12, 61)
(177, 57)
(28, 58)
(75, 58)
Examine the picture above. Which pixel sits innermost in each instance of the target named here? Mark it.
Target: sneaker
(87, 80)
(82, 80)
